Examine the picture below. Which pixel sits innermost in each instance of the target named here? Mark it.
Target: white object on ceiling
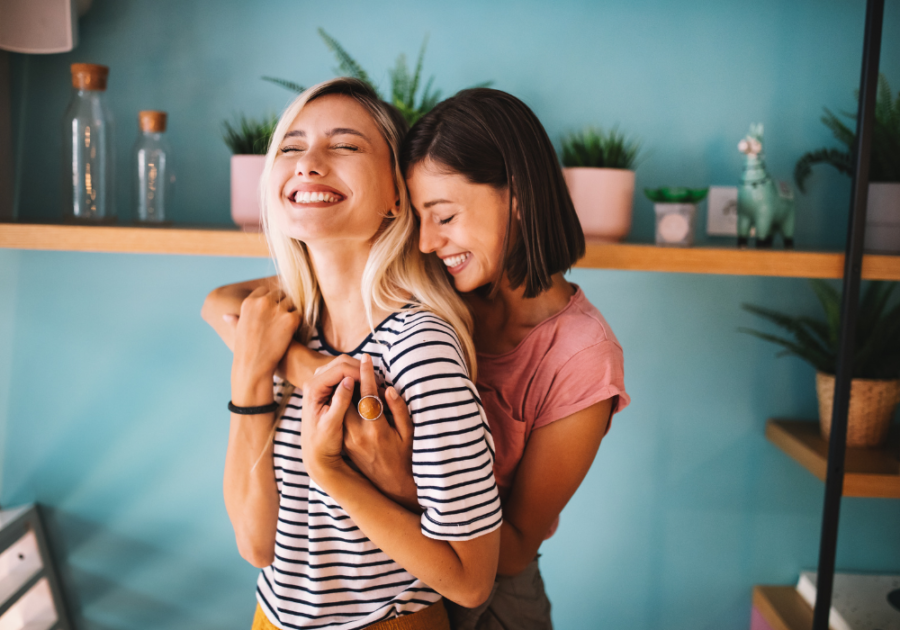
(40, 26)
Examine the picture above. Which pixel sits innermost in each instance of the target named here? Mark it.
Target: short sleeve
(590, 376)
(453, 453)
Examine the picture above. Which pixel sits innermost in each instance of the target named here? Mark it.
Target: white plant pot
(883, 219)
(603, 199)
(675, 224)
(246, 173)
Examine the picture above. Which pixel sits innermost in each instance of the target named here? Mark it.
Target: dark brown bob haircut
(492, 137)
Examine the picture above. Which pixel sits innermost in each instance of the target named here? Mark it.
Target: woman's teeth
(456, 261)
(314, 197)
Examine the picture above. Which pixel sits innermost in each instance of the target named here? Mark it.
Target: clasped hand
(263, 332)
(332, 428)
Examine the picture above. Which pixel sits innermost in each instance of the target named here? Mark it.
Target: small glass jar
(154, 179)
(88, 192)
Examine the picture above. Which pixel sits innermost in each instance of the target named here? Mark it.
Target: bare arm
(462, 571)
(221, 310)
(545, 481)
(267, 323)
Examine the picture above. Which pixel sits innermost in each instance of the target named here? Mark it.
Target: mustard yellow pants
(432, 618)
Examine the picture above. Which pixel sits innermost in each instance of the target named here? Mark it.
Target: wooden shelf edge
(868, 473)
(212, 241)
(134, 240)
(729, 261)
(782, 607)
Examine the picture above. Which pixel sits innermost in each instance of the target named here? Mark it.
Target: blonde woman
(334, 551)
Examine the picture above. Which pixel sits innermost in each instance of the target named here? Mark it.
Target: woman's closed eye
(446, 220)
(292, 149)
(346, 147)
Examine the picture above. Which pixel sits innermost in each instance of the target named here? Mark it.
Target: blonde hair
(396, 269)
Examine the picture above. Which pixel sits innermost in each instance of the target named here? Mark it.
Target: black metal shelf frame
(834, 481)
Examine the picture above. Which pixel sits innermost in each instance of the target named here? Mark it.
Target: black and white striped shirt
(327, 573)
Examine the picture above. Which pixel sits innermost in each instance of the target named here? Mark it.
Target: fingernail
(365, 359)
(391, 393)
(347, 383)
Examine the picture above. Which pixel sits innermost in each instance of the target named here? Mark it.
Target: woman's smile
(314, 196)
(457, 262)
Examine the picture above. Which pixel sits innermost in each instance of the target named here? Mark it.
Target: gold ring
(370, 408)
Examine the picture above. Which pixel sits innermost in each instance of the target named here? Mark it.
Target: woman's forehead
(336, 112)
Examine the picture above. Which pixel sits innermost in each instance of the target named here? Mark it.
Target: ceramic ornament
(762, 206)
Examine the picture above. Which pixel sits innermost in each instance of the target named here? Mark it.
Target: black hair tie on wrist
(252, 411)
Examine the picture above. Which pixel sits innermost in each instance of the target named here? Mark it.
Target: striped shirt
(327, 573)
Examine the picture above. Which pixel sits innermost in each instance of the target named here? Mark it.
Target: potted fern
(248, 140)
(883, 209)
(875, 388)
(599, 170)
(404, 84)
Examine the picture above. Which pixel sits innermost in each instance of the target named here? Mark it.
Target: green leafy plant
(676, 195)
(885, 158)
(593, 147)
(248, 136)
(404, 84)
(877, 354)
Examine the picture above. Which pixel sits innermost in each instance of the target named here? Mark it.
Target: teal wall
(112, 390)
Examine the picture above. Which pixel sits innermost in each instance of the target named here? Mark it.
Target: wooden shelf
(871, 473)
(201, 241)
(782, 607)
(212, 241)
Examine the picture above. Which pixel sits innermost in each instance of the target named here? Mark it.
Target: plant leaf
(289, 85)
(347, 65)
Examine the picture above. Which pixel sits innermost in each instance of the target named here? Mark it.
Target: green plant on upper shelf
(676, 195)
(885, 157)
(404, 84)
(877, 354)
(595, 148)
(248, 136)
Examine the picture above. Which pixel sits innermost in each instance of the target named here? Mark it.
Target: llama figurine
(761, 204)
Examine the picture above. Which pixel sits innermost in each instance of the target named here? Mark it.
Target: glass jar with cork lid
(88, 162)
(152, 166)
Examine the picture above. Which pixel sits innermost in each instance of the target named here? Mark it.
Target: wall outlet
(721, 211)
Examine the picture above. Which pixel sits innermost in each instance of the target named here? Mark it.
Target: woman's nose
(310, 163)
(429, 237)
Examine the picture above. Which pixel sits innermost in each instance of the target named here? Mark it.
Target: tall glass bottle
(153, 170)
(88, 192)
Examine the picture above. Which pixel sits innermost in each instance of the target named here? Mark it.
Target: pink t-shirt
(564, 365)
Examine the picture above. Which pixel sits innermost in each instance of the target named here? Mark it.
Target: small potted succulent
(875, 388)
(599, 171)
(676, 214)
(883, 208)
(248, 140)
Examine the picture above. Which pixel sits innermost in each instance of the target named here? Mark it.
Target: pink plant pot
(603, 199)
(246, 172)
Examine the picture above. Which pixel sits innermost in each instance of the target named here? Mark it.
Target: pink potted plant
(599, 171)
(248, 140)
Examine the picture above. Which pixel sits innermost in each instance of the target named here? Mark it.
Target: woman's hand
(264, 330)
(326, 398)
(381, 452)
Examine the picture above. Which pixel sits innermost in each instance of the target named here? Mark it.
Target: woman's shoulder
(585, 323)
(577, 331)
(415, 332)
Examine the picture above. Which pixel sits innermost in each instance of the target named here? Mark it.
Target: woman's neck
(339, 270)
(503, 321)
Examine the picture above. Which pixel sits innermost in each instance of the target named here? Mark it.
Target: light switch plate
(721, 211)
